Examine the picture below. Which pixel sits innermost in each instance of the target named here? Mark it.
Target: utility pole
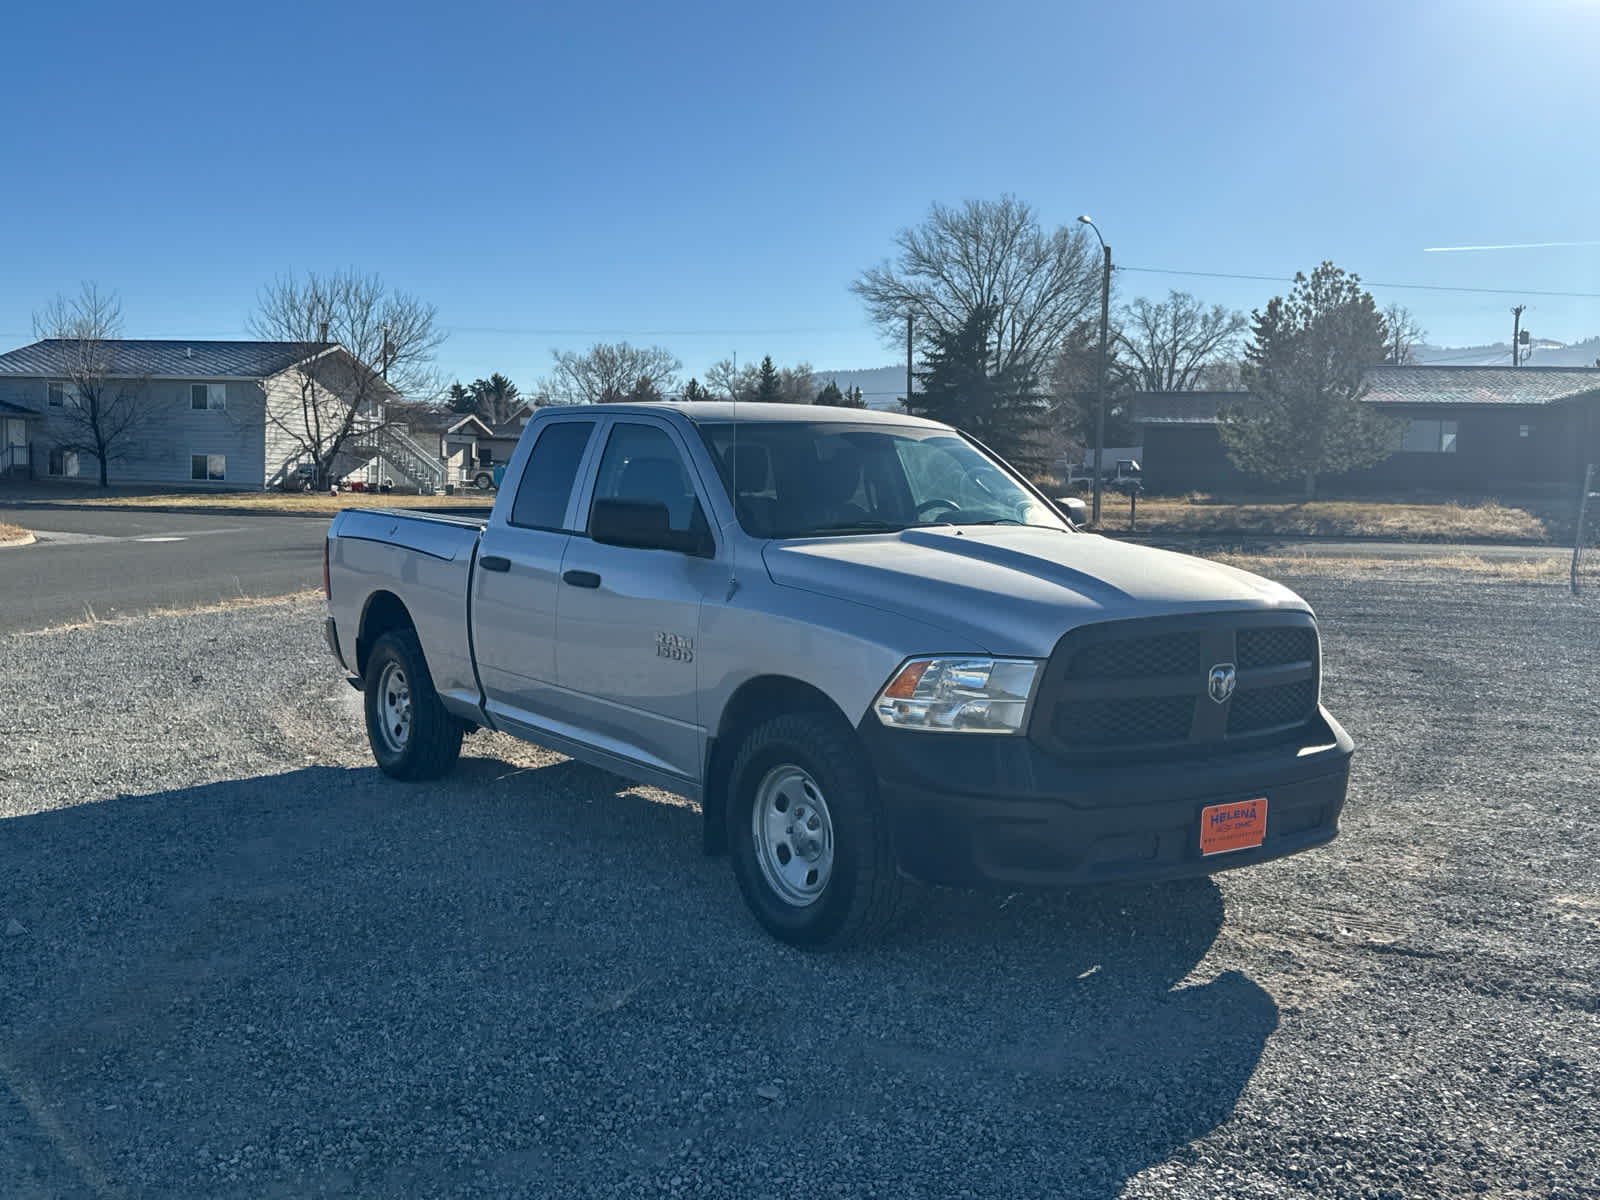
(909, 319)
(1516, 334)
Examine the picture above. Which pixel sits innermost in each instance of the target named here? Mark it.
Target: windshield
(802, 479)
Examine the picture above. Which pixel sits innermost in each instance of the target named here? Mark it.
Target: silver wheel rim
(793, 834)
(394, 708)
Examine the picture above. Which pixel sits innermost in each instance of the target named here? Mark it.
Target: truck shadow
(528, 980)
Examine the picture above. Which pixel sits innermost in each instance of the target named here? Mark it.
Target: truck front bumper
(967, 809)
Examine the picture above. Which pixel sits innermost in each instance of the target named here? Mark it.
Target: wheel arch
(382, 613)
(752, 702)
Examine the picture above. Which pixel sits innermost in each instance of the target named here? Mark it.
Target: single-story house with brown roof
(1468, 429)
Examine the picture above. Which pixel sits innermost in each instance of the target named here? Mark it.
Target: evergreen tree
(1305, 368)
(961, 386)
(769, 387)
(461, 400)
(831, 396)
(693, 391)
(494, 399)
(644, 391)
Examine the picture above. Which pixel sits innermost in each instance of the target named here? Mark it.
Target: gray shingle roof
(1181, 408)
(1479, 385)
(170, 359)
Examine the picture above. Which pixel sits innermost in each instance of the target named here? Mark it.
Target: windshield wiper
(854, 527)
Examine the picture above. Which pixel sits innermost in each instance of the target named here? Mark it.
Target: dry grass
(280, 502)
(12, 533)
(1541, 570)
(93, 621)
(1395, 521)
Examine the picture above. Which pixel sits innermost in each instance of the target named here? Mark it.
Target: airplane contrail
(1509, 246)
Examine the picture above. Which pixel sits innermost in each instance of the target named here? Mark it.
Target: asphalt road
(237, 961)
(118, 562)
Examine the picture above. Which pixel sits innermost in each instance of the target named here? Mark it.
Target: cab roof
(719, 411)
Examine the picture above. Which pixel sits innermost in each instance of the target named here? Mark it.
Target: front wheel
(810, 844)
(483, 481)
(411, 733)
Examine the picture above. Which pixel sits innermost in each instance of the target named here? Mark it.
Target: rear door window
(547, 479)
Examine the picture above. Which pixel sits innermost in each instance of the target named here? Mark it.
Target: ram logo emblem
(1221, 683)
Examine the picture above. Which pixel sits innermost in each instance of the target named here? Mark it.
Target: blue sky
(712, 176)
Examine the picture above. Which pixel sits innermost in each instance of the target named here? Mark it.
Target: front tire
(809, 841)
(411, 733)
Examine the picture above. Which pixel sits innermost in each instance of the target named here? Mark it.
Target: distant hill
(1545, 353)
(881, 387)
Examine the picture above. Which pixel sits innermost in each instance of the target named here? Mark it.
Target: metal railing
(401, 451)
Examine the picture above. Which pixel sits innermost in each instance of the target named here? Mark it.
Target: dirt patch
(13, 534)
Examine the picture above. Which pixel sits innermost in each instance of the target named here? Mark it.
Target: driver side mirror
(1073, 509)
(645, 525)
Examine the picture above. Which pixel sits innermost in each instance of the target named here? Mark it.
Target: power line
(1421, 287)
(644, 332)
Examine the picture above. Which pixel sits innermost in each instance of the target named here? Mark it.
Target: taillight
(327, 591)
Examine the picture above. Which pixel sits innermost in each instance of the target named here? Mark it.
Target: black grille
(1274, 647)
(1271, 707)
(1137, 722)
(1140, 658)
(1127, 688)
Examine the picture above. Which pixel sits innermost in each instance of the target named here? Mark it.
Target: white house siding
(169, 433)
(285, 450)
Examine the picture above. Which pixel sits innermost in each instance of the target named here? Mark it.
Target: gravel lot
(234, 960)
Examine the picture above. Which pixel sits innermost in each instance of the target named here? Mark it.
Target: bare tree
(609, 371)
(736, 383)
(103, 413)
(1401, 335)
(985, 254)
(389, 339)
(798, 384)
(1169, 346)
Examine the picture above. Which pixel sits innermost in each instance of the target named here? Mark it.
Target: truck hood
(1016, 589)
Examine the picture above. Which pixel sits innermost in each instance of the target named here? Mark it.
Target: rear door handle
(586, 579)
(493, 562)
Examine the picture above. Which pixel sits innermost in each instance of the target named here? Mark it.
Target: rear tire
(482, 481)
(808, 838)
(411, 733)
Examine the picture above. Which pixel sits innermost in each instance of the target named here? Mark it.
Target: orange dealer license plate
(1241, 825)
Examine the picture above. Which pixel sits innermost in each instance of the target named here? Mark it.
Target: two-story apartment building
(192, 413)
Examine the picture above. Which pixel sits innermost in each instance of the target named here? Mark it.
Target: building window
(63, 462)
(57, 394)
(1524, 430)
(208, 395)
(1431, 437)
(209, 467)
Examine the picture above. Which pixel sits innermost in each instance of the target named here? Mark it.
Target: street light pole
(1100, 391)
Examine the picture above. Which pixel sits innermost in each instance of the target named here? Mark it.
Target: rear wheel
(809, 841)
(411, 733)
(482, 481)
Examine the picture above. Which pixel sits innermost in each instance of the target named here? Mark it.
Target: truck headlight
(959, 695)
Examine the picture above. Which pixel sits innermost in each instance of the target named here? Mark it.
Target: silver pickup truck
(868, 648)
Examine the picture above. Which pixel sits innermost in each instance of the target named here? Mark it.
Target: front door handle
(493, 562)
(586, 579)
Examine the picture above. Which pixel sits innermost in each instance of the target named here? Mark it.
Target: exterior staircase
(400, 451)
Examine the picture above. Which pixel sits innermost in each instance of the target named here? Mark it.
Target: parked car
(867, 647)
